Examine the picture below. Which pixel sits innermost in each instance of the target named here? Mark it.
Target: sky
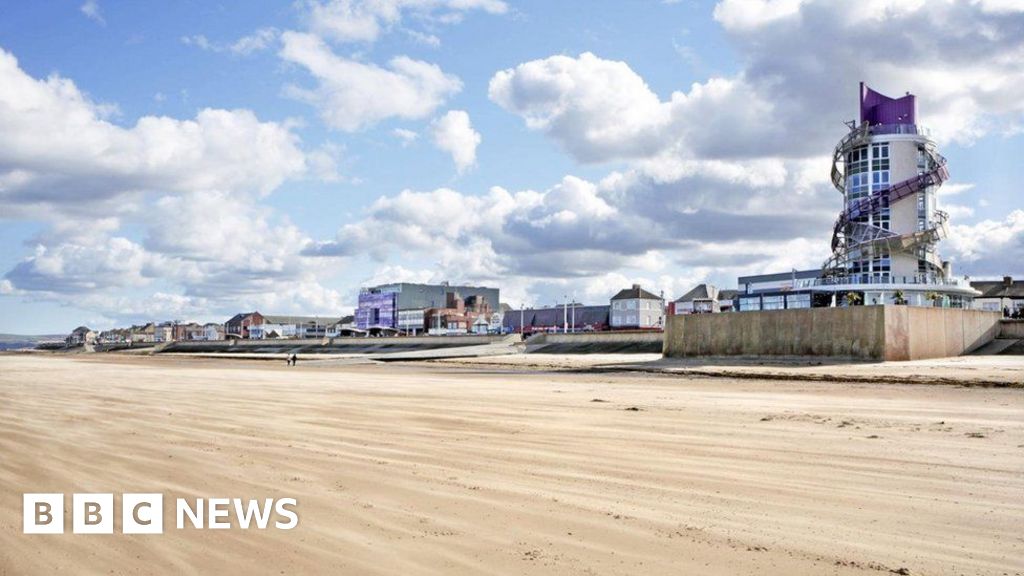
(189, 160)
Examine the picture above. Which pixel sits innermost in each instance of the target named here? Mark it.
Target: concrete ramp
(496, 349)
(998, 346)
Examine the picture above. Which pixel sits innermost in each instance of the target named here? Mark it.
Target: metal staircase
(849, 235)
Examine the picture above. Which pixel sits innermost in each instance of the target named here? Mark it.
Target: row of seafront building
(250, 325)
(414, 309)
(445, 309)
(406, 309)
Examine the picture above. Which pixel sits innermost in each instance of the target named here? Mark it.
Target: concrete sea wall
(616, 342)
(349, 345)
(1011, 328)
(863, 332)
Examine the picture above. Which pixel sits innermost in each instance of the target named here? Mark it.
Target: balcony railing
(879, 280)
(880, 129)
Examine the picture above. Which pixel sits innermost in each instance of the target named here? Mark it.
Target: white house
(637, 308)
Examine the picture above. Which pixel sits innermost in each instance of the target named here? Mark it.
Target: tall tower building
(889, 171)
(885, 240)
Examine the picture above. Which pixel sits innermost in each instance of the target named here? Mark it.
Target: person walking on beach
(295, 359)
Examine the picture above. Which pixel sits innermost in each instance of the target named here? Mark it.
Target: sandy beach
(490, 469)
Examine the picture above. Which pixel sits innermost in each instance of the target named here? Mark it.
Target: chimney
(1007, 281)
(636, 286)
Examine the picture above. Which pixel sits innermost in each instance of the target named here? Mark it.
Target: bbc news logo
(144, 513)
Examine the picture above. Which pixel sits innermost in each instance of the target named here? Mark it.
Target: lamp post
(565, 314)
(522, 315)
(574, 312)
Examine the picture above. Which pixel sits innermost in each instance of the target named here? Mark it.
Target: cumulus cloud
(987, 247)
(353, 95)
(453, 133)
(718, 166)
(578, 228)
(366, 20)
(964, 60)
(788, 98)
(61, 152)
(70, 267)
(597, 109)
(188, 189)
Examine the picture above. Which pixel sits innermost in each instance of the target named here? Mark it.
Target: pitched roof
(636, 292)
(239, 317)
(700, 291)
(999, 288)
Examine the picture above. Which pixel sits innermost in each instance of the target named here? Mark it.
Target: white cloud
(189, 188)
(324, 161)
(353, 95)
(955, 188)
(597, 109)
(751, 14)
(963, 61)
(60, 152)
(366, 20)
(579, 228)
(406, 136)
(425, 39)
(70, 267)
(199, 41)
(988, 247)
(91, 9)
(454, 134)
(258, 41)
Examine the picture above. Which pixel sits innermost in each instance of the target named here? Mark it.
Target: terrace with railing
(880, 280)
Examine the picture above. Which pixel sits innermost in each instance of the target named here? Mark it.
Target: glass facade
(868, 171)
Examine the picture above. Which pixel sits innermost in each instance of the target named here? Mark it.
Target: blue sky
(188, 160)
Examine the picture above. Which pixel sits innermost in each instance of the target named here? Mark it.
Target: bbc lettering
(144, 513)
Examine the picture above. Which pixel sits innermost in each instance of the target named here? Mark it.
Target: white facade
(411, 321)
(213, 332)
(163, 333)
(264, 331)
(636, 308)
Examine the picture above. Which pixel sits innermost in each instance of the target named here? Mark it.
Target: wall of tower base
(859, 332)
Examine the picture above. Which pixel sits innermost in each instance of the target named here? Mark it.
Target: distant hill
(21, 341)
(30, 337)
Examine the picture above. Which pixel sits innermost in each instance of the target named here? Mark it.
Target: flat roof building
(380, 306)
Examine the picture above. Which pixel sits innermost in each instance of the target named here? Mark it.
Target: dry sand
(962, 370)
(420, 469)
